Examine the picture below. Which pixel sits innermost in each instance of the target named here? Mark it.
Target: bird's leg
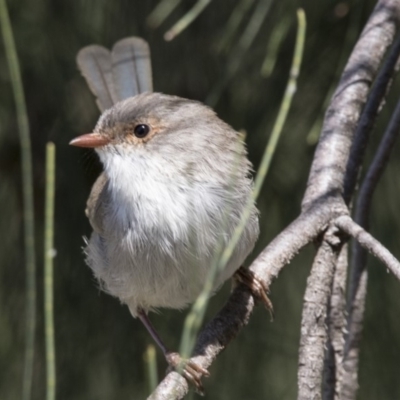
(189, 369)
(150, 328)
(256, 286)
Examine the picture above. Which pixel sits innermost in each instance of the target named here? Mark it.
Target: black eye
(141, 130)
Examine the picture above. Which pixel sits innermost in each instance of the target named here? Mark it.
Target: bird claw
(188, 369)
(256, 286)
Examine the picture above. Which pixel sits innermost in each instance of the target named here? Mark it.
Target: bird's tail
(114, 76)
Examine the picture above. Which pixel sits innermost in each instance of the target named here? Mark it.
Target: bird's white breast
(161, 232)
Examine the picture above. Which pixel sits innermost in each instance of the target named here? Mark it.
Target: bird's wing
(131, 67)
(97, 202)
(94, 63)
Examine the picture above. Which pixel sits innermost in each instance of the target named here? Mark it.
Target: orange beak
(91, 140)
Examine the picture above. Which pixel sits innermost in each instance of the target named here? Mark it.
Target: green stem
(238, 53)
(27, 189)
(233, 24)
(187, 19)
(48, 273)
(163, 9)
(151, 366)
(277, 36)
(194, 319)
(275, 135)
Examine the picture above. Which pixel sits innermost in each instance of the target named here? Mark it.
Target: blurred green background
(100, 347)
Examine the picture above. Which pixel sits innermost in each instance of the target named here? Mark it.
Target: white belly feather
(161, 234)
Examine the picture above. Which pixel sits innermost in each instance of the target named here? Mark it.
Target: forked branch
(323, 207)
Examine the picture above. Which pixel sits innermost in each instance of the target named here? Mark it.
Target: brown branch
(349, 385)
(359, 274)
(378, 250)
(333, 371)
(313, 325)
(175, 387)
(225, 326)
(322, 204)
(288, 243)
(341, 118)
(332, 154)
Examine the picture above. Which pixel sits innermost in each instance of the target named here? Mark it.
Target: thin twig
(48, 273)
(347, 225)
(27, 189)
(359, 273)
(368, 117)
(365, 196)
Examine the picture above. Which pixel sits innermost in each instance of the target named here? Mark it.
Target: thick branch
(322, 203)
(173, 388)
(235, 314)
(298, 234)
(347, 225)
(313, 325)
(336, 325)
(341, 118)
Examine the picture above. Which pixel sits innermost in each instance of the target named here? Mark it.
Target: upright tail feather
(131, 67)
(117, 75)
(95, 64)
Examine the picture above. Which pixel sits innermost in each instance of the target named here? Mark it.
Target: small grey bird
(176, 180)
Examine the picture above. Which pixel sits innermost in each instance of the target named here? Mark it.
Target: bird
(176, 180)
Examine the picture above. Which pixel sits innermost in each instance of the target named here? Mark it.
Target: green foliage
(99, 346)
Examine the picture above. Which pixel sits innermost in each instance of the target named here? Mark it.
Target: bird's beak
(90, 140)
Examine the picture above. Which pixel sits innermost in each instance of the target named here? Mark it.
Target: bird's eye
(141, 130)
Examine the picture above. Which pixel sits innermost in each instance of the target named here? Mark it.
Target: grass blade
(161, 12)
(48, 273)
(150, 359)
(186, 20)
(27, 189)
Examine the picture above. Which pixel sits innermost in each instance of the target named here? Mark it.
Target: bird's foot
(256, 286)
(189, 370)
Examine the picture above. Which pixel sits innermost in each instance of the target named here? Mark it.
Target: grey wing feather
(131, 67)
(97, 203)
(95, 64)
